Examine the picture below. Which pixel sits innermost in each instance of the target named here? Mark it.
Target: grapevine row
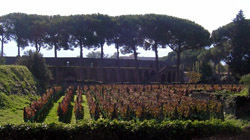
(78, 108)
(128, 102)
(37, 109)
(64, 105)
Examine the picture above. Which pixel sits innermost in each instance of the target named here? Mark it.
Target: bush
(206, 73)
(17, 80)
(193, 77)
(2, 61)
(35, 62)
(246, 80)
(116, 130)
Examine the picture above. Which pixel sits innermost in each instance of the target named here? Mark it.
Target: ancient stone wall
(106, 70)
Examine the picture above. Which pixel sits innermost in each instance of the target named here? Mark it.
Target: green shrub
(2, 61)
(35, 62)
(117, 130)
(206, 73)
(5, 101)
(16, 80)
(246, 80)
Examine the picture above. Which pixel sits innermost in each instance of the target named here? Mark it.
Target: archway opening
(169, 77)
(163, 78)
(152, 75)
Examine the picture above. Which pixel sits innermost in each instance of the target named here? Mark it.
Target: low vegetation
(113, 130)
(16, 80)
(89, 121)
(17, 90)
(35, 62)
(11, 107)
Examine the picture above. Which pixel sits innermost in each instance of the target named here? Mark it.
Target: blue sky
(211, 14)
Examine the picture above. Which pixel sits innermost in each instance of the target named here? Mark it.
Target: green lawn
(13, 113)
(86, 108)
(11, 108)
(11, 116)
(73, 118)
(52, 116)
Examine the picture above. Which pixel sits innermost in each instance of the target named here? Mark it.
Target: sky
(211, 14)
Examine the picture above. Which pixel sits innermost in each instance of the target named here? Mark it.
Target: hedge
(119, 130)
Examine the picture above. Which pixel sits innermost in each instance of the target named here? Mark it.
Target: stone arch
(69, 78)
(113, 75)
(173, 76)
(68, 71)
(84, 74)
(123, 75)
(69, 75)
(116, 64)
(146, 76)
(67, 63)
(91, 64)
(140, 75)
(169, 77)
(105, 75)
(151, 65)
(163, 78)
(131, 76)
(128, 64)
(118, 76)
(152, 75)
(93, 74)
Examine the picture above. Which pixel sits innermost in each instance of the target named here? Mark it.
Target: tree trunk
(102, 70)
(156, 62)
(18, 50)
(55, 49)
(178, 61)
(102, 44)
(228, 71)
(118, 63)
(36, 45)
(56, 72)
(219, 68)
(136, 65)
(117, 51)
(81, 54)
(215, 68)
(39, 48)
(2, 46)
(228, 74)
(135, 54)
(18, 54)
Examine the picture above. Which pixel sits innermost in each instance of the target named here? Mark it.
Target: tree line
(126, 32)
(232, 45)
(229, 44)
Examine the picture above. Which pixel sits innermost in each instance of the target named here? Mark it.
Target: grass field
(11, 108)
(73, 118)
(52, 116)
(86, 108)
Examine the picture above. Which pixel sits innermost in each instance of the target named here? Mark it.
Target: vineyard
(126, 102)
(37, 109)
(131, 111)
(131, 102)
